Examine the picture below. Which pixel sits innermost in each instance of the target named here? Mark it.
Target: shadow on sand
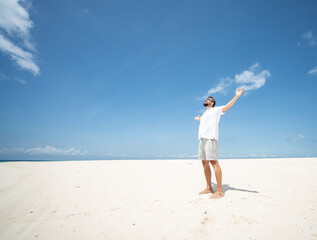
(226, 187)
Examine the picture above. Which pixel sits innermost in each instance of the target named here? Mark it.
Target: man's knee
(205, 163)
(214, 163)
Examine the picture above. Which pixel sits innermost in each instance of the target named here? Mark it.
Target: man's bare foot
(217, 195)
(206, 191)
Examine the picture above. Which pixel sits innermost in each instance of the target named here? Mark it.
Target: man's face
(208, 102)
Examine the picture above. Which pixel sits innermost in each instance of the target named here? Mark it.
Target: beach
(158, 199)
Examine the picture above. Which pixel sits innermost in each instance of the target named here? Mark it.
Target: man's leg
(218, 174)
(207, 172)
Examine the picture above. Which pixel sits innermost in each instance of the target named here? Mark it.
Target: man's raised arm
(230, 104)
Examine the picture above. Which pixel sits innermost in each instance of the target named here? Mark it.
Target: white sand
(264, 199)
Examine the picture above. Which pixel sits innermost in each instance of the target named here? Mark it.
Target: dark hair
(213, 100)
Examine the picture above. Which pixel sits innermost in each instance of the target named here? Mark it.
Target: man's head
(209, 102)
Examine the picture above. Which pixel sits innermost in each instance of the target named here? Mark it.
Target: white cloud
(3, 76)
(254, 67)
(310, 37)
(11, 150)
(15, 26)
(250, 79)
(86, 11)
(20, 80)
(298, 137)
(47, 150)
(178, 156)
(222, 86)
(111, 154)
(258, 155)
(313, 71)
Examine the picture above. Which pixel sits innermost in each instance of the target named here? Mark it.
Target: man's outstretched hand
(197, 118)
(239, 93)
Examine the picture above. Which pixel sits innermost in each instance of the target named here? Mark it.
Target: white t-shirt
(209, 122)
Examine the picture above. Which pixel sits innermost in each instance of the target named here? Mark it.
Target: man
(208, 141)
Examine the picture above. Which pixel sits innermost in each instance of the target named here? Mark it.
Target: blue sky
(125, 79)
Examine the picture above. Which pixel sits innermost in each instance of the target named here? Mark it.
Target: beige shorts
(208, 149)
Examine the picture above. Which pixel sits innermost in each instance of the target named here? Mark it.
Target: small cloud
(86, 11)
(20, 80)
(137, 28)
(47, 150)
(254, 67)
(114, 155)
(177, 156)
(299, 137)
(312, 71)
(254, 155)
(13, 150)
(222, 86)
(3, 76)
(15, 37)
(310, 37)
(305, 141)
(250, 79)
